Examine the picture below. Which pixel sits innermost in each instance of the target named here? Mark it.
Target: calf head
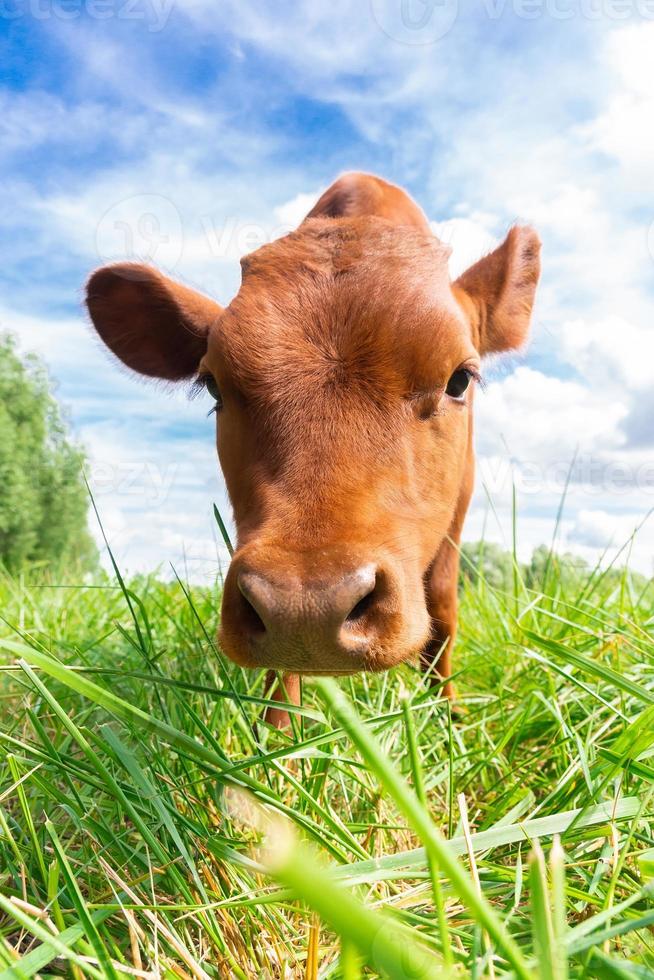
(343, 376)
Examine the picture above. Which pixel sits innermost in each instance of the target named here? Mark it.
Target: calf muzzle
(329, 624)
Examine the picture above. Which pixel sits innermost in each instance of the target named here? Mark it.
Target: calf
(343, 374)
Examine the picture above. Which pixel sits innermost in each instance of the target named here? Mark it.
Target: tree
(491, 561)
(43, 500)
(565, 568)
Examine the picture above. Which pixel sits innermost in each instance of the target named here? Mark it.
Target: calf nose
(325, 613)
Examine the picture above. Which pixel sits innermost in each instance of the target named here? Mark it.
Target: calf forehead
(351, 299)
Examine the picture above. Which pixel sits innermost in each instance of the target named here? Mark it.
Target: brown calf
(343, 373)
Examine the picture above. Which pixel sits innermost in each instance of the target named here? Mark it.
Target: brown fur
(348, 466)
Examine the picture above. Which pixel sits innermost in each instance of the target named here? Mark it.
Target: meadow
(151, 824)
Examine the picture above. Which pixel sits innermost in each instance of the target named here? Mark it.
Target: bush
(43, 500)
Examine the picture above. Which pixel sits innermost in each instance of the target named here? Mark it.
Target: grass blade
(421, 823)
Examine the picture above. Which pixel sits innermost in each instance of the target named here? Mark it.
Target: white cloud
(615, 357)
(294, 211)
(628, 535)
(540, 418)
(639, 427)
(30, 119)
(612, 353)
(469, 238)
(624, 130)
(595, 528)
(321, 43)
(155, 492)
(52, 339)
(494, 524)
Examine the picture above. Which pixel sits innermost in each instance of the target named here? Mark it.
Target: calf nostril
(250, 616)
(364, 604)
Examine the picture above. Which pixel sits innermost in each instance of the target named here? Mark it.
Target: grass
(152, 825)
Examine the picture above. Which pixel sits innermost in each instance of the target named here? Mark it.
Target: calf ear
(500, 291)
(154, 325)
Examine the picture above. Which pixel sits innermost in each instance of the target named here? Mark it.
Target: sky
(188, 132)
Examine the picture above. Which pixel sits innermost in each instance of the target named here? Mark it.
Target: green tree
(491, 561)
(43, 500)
(566, 568)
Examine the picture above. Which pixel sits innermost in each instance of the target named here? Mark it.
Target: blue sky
(189, 132)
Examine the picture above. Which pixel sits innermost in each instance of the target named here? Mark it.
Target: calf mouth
(318, 660)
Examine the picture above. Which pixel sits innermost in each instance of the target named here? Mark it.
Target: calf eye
(209, 383)
(458, 384)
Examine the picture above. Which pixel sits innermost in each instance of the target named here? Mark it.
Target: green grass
(152, 825)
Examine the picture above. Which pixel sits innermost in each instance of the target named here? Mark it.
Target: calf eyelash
(206, 382)
(476, 377)
(198, 387)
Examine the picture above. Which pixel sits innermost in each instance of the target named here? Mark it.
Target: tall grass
(151, 824)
